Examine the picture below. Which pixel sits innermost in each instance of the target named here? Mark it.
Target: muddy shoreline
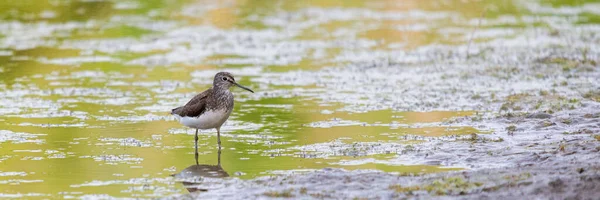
(543, 182)
(532, 161)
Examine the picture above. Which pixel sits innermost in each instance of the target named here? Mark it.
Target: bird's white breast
(207, 120)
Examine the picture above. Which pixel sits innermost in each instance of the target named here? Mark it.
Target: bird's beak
(245, 88)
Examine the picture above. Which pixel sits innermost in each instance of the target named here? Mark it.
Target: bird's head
(226, 80)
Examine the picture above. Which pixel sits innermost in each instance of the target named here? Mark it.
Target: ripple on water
(130, 119)
(21, 195)
(16, 137)
(116, 159)
(150, 187)
(124, 142)
(13, 173)
(231, 126)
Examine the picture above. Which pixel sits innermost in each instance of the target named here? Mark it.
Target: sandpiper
(209, 109)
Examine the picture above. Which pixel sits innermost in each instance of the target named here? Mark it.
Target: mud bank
(549, 182)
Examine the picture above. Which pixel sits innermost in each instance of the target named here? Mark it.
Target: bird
(209, 109)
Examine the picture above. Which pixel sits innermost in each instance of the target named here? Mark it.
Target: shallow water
(87, 86)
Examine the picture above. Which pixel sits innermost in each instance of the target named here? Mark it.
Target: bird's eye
(224, 78)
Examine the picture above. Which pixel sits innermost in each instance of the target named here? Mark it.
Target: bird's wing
(195, 107)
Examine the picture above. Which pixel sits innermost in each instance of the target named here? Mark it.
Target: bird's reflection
(202, 177)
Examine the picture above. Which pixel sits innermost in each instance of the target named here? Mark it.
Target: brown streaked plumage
(195, 107)
(211, 108)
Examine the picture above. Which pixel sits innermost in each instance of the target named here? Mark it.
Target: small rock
(557, 185)
(433, 162)
(238, 173)
(539, 116)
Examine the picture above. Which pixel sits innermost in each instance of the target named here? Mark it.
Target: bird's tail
(175, 111)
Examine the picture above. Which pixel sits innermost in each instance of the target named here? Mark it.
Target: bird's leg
(196, 146)
(219, 137)
(219, 157)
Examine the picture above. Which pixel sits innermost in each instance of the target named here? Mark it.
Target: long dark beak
(245, 88)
